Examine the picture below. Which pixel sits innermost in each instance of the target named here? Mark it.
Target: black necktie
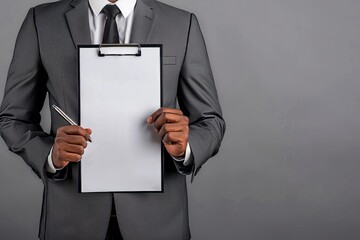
(111, 34)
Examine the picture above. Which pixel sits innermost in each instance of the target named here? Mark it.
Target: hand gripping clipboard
(119, 87)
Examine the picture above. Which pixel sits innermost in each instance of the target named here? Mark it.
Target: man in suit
(45, 60)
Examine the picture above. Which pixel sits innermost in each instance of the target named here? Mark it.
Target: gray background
(287, 73)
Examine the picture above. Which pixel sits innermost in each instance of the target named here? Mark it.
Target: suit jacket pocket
(169, 60)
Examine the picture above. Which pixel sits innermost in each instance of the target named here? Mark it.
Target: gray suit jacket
(45, 60)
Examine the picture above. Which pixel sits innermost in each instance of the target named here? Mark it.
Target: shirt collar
(125, 6)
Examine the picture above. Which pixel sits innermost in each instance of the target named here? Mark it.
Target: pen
(66, 117)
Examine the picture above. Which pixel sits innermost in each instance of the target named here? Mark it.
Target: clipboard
(119, 87)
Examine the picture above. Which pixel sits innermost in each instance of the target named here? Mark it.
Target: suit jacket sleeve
(24, 96)
(198, 100)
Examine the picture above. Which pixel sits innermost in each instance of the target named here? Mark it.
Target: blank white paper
(117, 94)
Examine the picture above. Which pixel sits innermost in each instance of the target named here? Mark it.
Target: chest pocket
(169, 60)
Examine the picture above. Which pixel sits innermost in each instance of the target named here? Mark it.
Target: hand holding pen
(70, 142)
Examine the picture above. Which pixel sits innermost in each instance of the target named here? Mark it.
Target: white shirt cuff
(49, 166)
(188, 159)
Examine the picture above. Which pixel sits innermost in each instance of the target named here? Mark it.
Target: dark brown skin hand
(173, 128)
(69, 146)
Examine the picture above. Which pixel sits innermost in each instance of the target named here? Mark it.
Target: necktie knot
(111, 11)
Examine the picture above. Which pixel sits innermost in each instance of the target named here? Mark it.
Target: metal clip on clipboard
(119, 50)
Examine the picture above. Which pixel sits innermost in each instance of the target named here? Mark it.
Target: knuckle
(187, 135)
(186, 119)
(170, 135)
(83, 132)
(57, 140)
(187, 129)
(81, 150)
(59, 130)
(75, 158)
(61, 163)
(80, 140)
(166, 115)
(166, 127)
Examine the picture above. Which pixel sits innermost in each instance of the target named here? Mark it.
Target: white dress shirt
(124, 22)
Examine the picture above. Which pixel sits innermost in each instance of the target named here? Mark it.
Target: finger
(176, 150)
(74, 130)
(60, 164)
(71, 148)
(158, 112)
(166, 117)
(89, 131)
(73, 139)
(172, 138)
(172, 127)
(70, 129)
(71, 157)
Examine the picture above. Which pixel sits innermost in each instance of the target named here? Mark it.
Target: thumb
(88, 130)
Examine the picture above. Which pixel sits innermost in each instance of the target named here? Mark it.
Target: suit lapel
(144, 18)
(78, 21)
